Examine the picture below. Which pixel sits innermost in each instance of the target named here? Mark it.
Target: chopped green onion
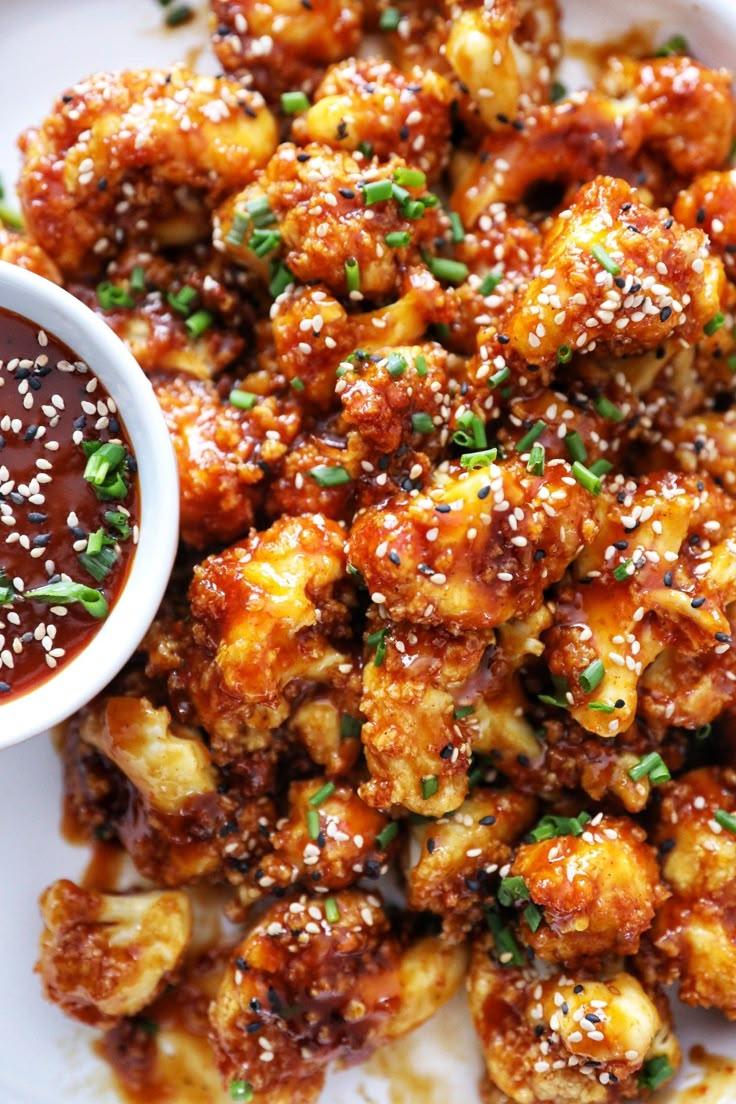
(483, 459)
(586, 478)
(321, 795)
(443, 268)
(94, 542)
(387, 835)
(677, 44)
(621, 572)
(549, 827)
(396, 365)
(332, 912)
(715, 323)
(652, 765)
(507, 948)
(535, 463)
(280, 280)
(402, 195)
(390, 19)
(327, 475)
(564, 354)
(422, 423)
(138, 279)
(472, 431)
(241, 1092)
(702, 732)
(499, 377)
(65, 593)
(410, 178)
(259, 212)
(600, 467)
(533, 916)
(592, 676)
(376, 191)
(529, 438)
(557, 92)
(377, 640)
(350, 727)
(655, 1072)
(198, 322)
(604, 260)
(294, 102)
(462, 711)
(297, 384)
(111, 296)
(118, 522)
(575, 446)
(366, 149)
(104, 470)
(7, 592)
(456, 227)
(601, 707)
(490, 282)
(352, 274)
(264, 240)
(10, 218)
(606, 409)
(429, 786)
(176, 16)
(421, 365)
(237, 231)
(100, 564)
(398, 239)
(313, 823)
(244, 400)
(726, 820)
(512, 889)
(181, 301)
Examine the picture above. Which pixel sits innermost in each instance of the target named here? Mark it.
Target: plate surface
(46, 46)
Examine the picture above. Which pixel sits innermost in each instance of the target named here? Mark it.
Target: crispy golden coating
(477, 548)
(710, 203)
(598, 891)
(694, 932)
(103, 956)
(222, 454)
(281, 45)
(20, 250)
(459, 857)
(556, 1039)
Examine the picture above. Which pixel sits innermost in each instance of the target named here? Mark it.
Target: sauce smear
(68, 505)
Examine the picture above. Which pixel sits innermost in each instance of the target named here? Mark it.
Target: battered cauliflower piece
(659, 574)
(555, 1039)
(323, 979)
(222, 454)
(17, 249)
(280, 45)
(616, 277)
(598, 891)
(695, 932)
(104, 955)
(368, 101)
(138, 155)
(710, 203)
(477, 548)
(459, 857)
(262, 613)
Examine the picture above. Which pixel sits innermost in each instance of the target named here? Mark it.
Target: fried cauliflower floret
(659, 574)
(598, 891)
(323, 979)
(368, 101)
(220, 452)
(261, 614)
(105, 955)
(695, 932)
(565, 1040)
(281, 45)
(17, 249)
(505, 55)
(710, 203)
(146, 153)
(616, 277)
(460, 854)
(476, 549)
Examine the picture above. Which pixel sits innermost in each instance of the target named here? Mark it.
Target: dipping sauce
(68, 505)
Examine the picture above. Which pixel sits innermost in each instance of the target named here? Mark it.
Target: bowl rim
(58, 312)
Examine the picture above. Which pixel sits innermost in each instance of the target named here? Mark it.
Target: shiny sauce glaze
(68, 505)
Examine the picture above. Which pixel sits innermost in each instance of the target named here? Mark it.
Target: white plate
(47, 45)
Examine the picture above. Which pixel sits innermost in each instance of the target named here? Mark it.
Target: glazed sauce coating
(49, 403)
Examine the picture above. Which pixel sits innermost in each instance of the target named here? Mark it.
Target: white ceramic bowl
(59, 313)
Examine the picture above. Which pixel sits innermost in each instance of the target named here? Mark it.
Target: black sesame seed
(723, 638)
(619, 703)
(697, 603)
(578, 989)
(666, 846)
(30, 433)
(404, 132)
(241, 963)
(255, 1004)
(668, 223)
(36, 518)
(35, 383)
(502, 339)
(700, 216)
(346, 193)
(302, 157)
(539, 554)
(565, 1008)
(4, 687)
(522, 760)
(443, 508)
(668, 578)
(253, 1027)
(665, 313)
(487, 821)
(395, 558)
(41, 540)
(539, 1030)
(484, 491)
(431, 844)
(446, 751)
(80, 422)
(621, 545)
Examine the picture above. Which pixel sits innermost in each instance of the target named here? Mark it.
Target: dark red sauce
(52, 409)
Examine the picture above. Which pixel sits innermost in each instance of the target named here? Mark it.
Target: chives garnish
(557, 92)
(507, 948)
(352, 274)
(65, 593)
(104, 469)
(529, 438)
(726, 820)
(490, 282)
(652, 765)
(327, 475)
(715, 324)
(244, 400)
(564, 354)
(181, 301)
(606, 409)
(472, 431)
(586, 478)
(94, 542)
(499, 377)
(401, 194)
(533, 916)
(430, 784)
(297, 384)
(604, 260)
(422, 423)
(176, 16)
(702, 732)
(294, 102)
(549, 827)
(236, 232)
(601, 707)
(100, 564)
(421, 365)
(7, 593)
(387, 835)
(398, 239)
(10, 218)
(677, 44)
(332, 912)
(281, 277)
(655, 1072)
(110, 296)
(319, 796)
(138, 279)
(410, 178)
(241, 1092)
(118, 522)
(600, 467)
(377, 640)
(390, 19)
(482, 459)
(198, 322)
(376, 191)
(575, 446)
(259, 212)
(350, 727)
(592, 676)
(366, 149)
(622, 571)
(396, 365)
(264, 240)
(456, 227)
(443, 268)
(463, 711)
(312, 823)
(535, 463)
(512, 889)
